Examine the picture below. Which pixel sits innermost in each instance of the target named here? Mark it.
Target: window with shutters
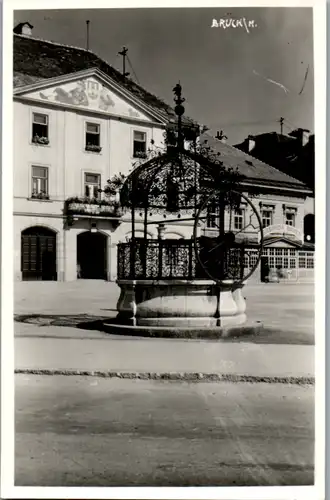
(40, 129)
(92, 186)
(93, 137)
(40, 183)
(139, 144)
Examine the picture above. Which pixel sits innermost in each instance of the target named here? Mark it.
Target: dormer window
(40, 129)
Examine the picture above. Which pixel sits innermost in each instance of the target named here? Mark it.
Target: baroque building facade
(79, 123)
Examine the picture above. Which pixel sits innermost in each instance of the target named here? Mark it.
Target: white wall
(65, 156)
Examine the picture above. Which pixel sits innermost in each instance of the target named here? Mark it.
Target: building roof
(36, 60)
(19, 27)
(286, 153)
(252, 169)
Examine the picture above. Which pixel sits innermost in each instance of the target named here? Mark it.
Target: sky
(222, 71)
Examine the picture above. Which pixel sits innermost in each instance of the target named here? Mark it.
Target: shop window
(310, 263)
(271, 262)
(253, 260)
(292, 263)
(278, 262)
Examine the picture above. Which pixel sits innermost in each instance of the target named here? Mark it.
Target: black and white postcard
(163, 250)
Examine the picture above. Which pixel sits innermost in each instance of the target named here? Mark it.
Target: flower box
(140, 155)
(86, 206)
(40, 140)
(40, 196)
(94, 148)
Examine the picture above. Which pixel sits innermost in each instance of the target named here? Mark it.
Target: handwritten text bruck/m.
(234, 23)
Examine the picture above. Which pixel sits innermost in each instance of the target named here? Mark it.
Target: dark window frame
(39, 192)
(96, 186)
(40, 131)
(139, 145)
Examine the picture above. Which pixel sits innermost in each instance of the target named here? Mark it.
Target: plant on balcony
(113, 210)
(93, 147)
(42, 195)
(40, 140)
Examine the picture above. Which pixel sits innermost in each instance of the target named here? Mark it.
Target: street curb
(175, 376)
(186, 332)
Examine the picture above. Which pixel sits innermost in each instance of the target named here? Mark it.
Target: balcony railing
(282, 230)
(92, 207)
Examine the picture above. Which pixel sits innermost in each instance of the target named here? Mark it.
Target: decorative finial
(178, 99)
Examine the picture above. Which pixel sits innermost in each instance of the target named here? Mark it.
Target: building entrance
(91, 256)
(38, 254)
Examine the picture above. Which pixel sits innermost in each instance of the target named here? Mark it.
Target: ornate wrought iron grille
(175, 259)
(176, 185)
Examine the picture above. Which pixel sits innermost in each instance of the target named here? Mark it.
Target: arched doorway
(38, 254)
(92, 256)
(309, 228)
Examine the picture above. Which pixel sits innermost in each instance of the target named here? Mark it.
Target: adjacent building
(294, 154)
(77, 123)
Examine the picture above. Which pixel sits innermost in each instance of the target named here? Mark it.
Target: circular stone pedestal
(180, 303)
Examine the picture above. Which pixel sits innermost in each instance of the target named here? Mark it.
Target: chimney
(302, 135)
(251, 143)
(23, 29)
(305, 137)
(221, 136)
